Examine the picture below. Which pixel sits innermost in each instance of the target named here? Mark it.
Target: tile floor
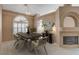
(7, 48)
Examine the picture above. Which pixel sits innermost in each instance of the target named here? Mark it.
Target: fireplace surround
(67, 26)
(70, 40)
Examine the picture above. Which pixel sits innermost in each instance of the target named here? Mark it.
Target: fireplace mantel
(69, 32)
(67, 24)
(70, 29)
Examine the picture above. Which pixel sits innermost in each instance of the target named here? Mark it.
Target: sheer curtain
(40, 27)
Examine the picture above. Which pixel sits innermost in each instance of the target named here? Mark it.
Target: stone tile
(7, 48)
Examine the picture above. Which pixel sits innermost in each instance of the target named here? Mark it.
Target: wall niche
(69, 22)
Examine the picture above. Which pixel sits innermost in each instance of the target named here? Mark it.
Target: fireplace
(70, 40)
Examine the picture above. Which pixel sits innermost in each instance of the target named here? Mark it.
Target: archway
(69, 22)
(70, 19)
(20, 24)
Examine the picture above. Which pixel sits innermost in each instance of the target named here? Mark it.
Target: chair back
(16, 37)
(42, 41)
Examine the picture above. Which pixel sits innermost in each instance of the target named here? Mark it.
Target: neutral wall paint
(8, 17)
(65, 11)
(50, 17)
(57, 24)
(0, 23)
(69, 22)
(58, 17)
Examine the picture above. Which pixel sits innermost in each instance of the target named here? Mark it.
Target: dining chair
(41, 42)
(19, 43)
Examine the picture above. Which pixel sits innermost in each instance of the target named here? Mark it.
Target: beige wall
(69, 22)
(0, 23)
(7, 23)
(68, 11)
(50, 16)
(58, 17)
(57, 24)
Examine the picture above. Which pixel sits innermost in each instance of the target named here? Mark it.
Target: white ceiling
(33, 8)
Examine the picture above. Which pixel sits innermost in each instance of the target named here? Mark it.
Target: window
(20, 24)
(40, 27)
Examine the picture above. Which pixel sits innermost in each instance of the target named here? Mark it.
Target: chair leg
(36, 51)
(45, 50)
(15, 43)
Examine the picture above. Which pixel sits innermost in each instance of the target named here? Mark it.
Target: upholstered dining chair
(41, 42)
(19, 43)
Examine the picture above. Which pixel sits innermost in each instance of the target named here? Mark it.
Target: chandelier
(28, 9)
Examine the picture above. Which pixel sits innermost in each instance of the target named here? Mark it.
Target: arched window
(40, 27)
(69, 22)
(20, 24)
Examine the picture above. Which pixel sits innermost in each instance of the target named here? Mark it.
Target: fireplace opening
(70, 40)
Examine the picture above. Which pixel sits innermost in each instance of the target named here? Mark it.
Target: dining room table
(32, 40)
(31, 36)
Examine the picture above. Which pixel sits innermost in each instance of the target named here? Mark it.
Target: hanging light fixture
(28, 11)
